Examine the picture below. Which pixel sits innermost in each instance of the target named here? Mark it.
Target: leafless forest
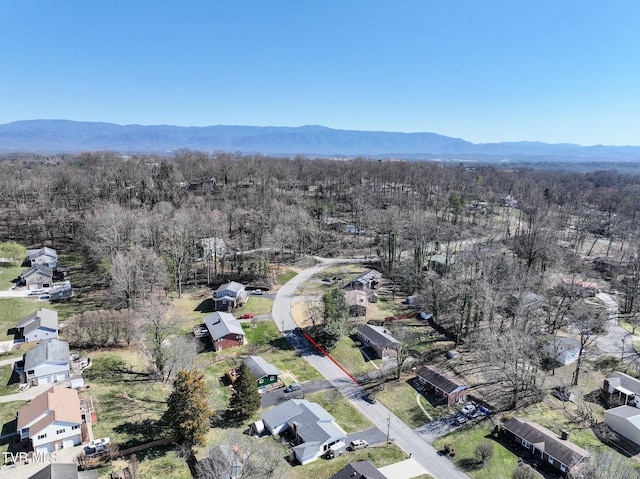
(500, 256)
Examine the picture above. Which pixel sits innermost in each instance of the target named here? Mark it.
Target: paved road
(408, 440)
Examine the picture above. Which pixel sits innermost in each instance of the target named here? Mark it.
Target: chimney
(564, 435)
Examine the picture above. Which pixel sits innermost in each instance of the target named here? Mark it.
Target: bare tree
(242, 457)
(588, 322)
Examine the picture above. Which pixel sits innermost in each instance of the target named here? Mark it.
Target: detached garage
(625, 420)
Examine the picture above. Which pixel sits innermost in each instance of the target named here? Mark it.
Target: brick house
(225, 330)
(435, 381)
(546, 446)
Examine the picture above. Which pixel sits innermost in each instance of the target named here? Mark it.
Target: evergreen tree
(336, 313)
(188, 413)
(246, 398)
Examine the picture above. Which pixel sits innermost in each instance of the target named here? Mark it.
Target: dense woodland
(137, 221)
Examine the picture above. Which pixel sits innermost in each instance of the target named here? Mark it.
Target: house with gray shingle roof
(313, 428)
(37, 277)
(39, 325)
(556, 451)
(229, 296)
(45, 256)
(379, 339)
(64, 471)
(264, 372)
(47, 362)
(436, 381)
(359, 470)
(225, 330)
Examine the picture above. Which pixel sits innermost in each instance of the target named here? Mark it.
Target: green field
(349, 418)
(402, 400)
(285, 277)
(465, 440)
(351, 358)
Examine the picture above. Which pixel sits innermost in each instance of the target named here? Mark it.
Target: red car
(246, 316)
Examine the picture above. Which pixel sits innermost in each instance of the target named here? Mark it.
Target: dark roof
(378, 335)
(39, 268)
(437, 378)
(359, 470)
(563, 450)
(261, 368)
(64, 471)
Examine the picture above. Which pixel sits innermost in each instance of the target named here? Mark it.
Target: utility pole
(388, 427)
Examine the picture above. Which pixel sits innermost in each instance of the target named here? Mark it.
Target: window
(563, 468)
(42, 436)
(60, 431)
(77, 426)
(526, 443)
(550, 460)
(31, 371)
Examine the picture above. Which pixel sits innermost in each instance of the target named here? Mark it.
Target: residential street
(409, 441)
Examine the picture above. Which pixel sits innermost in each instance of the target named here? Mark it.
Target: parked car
(460, 420)
(357, 444)
(293, 387)
(36, 292)
(246, 316)
(468, 409)
(97, 445)
(258, 292)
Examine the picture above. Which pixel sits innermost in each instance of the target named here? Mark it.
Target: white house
(622, 386)
(43, 256)
(47, 362)
(625, 420)
(315, 430)
(52, 420)
(39, 325)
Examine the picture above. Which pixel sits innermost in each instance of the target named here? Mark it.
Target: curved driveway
(408, 440)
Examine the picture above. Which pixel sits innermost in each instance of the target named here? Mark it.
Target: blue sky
(491, 70)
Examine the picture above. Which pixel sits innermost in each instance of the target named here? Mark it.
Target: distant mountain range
(64, 136)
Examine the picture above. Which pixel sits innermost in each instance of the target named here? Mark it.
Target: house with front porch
(546, 446)
(432, 379)
(621, 386)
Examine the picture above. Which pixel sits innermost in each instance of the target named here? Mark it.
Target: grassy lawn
(129, 408)
(263, 332)
(8, 274)
(400, 398)
(7, 375)
(349, 418)
(7, 421)
(465, 440)
(380, 456)
(256, 306)
(350, 357)
(285, 277)
(14, 309)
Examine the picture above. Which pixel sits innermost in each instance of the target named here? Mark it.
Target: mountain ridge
(69, 136)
